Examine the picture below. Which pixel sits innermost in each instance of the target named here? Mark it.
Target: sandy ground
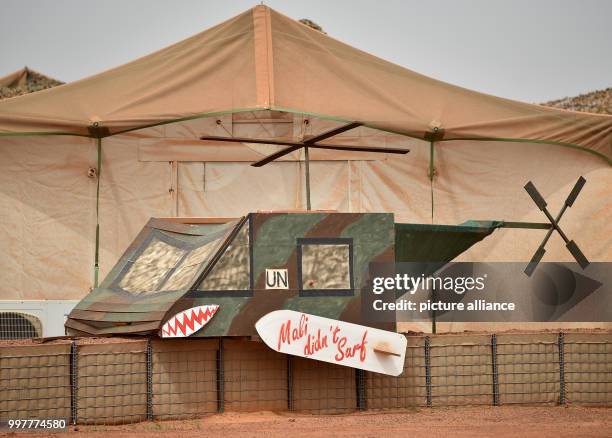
(498, 422)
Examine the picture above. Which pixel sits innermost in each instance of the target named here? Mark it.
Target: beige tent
(262, 75)
(24, 81)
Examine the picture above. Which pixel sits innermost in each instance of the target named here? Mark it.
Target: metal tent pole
(307, 170)
(431, 177)
(98, 132)
(97, 248)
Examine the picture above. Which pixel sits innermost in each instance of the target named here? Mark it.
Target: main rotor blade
(359, 149)
(575, 191)
(297, 146)
(331, 133)
(276, 155)
(293, 145)
(253, 140)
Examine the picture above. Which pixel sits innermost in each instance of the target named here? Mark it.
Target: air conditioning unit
(22, 319)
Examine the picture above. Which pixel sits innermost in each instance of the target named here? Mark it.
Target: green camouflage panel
(312, 262)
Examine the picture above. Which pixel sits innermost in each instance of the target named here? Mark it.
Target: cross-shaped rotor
(569, 244)
(307, 143)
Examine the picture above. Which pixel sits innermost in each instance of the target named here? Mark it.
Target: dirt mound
(599, 101)
(25, 81)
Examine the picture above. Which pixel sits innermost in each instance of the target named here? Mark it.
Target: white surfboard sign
(330, 340)
(189, 321)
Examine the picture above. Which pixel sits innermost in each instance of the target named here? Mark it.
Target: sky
(529, 50)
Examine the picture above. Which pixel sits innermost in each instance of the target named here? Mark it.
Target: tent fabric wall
(131, 192)
(48, 202)
(234, 189)
(47, 217)
(485, 181)
(48, 211)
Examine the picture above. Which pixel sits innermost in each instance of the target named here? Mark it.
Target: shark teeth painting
(189, 321)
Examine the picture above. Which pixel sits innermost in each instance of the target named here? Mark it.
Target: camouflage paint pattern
(171, 267)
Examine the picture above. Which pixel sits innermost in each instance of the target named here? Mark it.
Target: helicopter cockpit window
(151, 267)
(231, 273)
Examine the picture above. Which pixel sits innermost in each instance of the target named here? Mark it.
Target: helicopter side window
(231, 274)
(325, 266)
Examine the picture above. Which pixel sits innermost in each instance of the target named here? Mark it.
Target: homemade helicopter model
(237, 271)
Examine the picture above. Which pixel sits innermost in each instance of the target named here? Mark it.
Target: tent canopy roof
(262, 60)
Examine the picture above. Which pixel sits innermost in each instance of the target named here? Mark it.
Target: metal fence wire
(123, 381)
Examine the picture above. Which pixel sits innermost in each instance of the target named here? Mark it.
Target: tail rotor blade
(534, 261)
(569, 244)
(535, 195)
(575, 251)
(575, 191)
